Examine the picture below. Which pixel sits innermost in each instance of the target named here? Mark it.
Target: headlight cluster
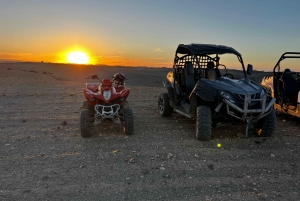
(227, 96)
(107, 94)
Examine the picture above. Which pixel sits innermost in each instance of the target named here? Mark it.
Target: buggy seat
(290, 86)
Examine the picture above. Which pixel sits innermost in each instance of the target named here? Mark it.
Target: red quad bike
(106, 101)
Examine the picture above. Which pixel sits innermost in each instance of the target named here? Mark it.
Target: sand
(43, 157)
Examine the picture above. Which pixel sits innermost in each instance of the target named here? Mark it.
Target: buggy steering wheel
(228, 75)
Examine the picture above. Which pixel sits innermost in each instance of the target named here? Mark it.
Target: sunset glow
(77, 58)
(99, 33)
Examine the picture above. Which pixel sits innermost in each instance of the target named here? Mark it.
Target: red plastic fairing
(92, 88)
(89, 97)
(125, 92)
(120, 88)
(92, 97)
(106, 84)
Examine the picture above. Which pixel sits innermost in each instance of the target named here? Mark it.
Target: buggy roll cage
(285, 56)
(198, 54)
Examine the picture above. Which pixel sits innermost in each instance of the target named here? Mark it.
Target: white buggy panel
(267, 82)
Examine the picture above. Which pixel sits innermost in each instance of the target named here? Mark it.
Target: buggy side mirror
(298, 74)
(249, 69)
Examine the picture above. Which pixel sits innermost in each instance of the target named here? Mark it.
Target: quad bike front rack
(107, 112)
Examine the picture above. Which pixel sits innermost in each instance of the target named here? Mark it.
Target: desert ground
(43, 156)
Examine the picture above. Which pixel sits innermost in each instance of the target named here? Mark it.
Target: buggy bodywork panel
(285, 86)
(189, 85)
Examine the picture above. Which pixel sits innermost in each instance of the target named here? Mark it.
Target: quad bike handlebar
(94, 76)
(117, 78)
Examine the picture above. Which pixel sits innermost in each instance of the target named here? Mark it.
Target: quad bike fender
(125, 93)
(88, 95)
(92, 86)
(122, 96)
(119, 88)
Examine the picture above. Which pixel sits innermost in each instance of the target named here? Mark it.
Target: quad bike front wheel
(203, 123)
(85, 123)
(164, 106)
(266, 126)
(87, 105)
(128, 121)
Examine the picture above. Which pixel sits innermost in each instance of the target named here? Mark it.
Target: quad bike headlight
(227, 96)
(106, 94)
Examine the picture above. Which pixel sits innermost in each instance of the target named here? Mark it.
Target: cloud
(158, 50)
(157, 59)
(121, 52)
(9, 54)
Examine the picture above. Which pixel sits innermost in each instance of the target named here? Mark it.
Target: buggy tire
(164, 106)
(266, 126)
(85, 123)
(128, 121)
(203, 123)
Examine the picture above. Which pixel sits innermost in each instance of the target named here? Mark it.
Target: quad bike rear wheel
(266, 126)
(203, 123)
(128, 121)
(85, 123)
(164, 106)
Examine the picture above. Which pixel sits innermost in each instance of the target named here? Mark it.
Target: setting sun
(77, 58)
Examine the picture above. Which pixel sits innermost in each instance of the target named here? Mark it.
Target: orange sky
(146, 33)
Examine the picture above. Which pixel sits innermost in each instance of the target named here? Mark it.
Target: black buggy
(284, 85)
(196, 89)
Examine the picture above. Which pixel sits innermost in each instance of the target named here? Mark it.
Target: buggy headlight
(227, 96)
(107, 94)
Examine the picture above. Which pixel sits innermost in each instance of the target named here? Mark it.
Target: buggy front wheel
(203, 123)
(266, 126)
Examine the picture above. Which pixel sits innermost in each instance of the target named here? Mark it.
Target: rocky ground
(43, 157)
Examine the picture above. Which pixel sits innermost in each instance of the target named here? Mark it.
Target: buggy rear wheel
(128, 121)
(85, 123)
(203, 123)
(164, 106)
(266, 126)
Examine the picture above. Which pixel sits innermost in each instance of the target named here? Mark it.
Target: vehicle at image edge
(106, 100)
(196, 89)
(285, 87)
